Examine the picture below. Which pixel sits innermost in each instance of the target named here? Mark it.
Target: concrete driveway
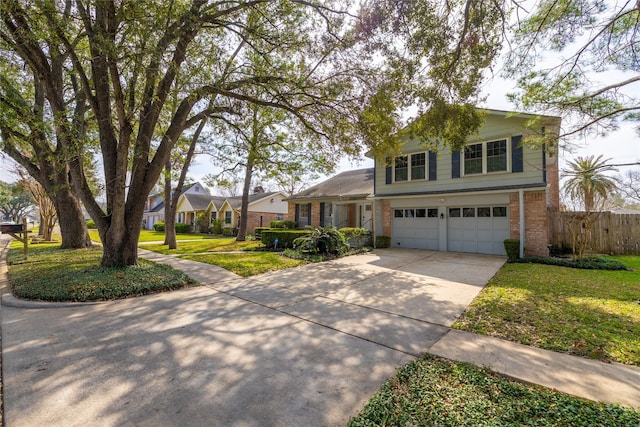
(304, 346)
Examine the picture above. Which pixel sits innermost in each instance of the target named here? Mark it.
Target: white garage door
(481, 229)
(415, 228)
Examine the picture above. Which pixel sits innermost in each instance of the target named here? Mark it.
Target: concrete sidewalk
(303, 346)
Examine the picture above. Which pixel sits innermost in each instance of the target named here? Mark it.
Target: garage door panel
(477, 234)
(416, 232)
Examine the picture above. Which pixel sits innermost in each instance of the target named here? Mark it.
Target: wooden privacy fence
(612, 233)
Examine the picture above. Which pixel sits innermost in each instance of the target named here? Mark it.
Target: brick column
(536, 233)
(386, 218)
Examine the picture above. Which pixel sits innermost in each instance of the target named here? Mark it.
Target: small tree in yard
(588, 188)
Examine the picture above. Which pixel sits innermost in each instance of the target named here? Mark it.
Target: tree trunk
(119, 252)
(169, 211)
(73, 228)
(244, 214)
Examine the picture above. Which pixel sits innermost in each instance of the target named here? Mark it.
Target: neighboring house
(190, 205)
(263, 208)
(342, 201)
(154, 207)
(459, 201)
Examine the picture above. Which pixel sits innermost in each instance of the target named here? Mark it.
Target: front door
(365, 216)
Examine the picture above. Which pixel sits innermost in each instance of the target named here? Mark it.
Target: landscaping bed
(436, 392)
(53, 274)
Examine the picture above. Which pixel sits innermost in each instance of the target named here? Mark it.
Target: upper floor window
(402, 168)
(485, 157)
(410, 167)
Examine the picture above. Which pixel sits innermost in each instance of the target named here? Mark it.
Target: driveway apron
(303, 346)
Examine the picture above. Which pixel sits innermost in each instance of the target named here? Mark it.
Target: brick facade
(386, 218)
(535, 219)
(253, 219)
(315, 214)
(553, 187)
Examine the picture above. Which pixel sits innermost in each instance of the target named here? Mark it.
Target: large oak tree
(134, 75)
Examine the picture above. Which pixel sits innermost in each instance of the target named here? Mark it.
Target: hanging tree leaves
(134, 75)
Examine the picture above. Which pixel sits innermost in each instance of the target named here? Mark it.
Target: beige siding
(495, 127)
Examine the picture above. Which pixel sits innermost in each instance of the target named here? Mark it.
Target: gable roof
(236, 201)
(350, 184)
(198, 202)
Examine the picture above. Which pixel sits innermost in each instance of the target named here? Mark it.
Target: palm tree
(587, 181)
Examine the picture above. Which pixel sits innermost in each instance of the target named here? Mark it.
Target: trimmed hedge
(183, 228)
(512, 248)
(587, 263)
(354, 231)
(285, 237)
(159, 226)
(282, 223)
(383, 241)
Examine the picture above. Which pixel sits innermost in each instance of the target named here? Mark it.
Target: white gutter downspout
(521, 201)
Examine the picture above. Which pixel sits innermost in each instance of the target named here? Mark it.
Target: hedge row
(285, 237)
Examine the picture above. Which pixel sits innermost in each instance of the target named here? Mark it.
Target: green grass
(247, 264)
(220, 244)
(437, 392)
(590, 313)
(53, 274)
(158, 236)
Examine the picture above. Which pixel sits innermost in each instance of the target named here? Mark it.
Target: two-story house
(471, 200)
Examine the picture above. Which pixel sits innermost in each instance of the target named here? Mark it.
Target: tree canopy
(118, 82)
(579, 59)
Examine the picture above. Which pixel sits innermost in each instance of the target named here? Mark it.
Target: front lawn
(218, 244)
(158, 236)
(436, 392)
(54, 274)
(247, 264)
(590, 313)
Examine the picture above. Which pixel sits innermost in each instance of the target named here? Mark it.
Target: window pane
(484, 212)
(398, 213)
(454, 212)
(418, 166)
(469, 212)
(473, 159)
(433, 213)
(409, 213)
(497, 156)
(304, 210)
(227, 217)
(500, 211)
(401, 169)
(421, 213)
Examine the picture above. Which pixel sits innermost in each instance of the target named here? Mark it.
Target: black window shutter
(322, 214)
(433, 164)
(309, 214)
(455, 164)
(387, 175)
(516, 154)
(297, 214)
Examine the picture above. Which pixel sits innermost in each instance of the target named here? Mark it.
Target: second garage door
(480, 229)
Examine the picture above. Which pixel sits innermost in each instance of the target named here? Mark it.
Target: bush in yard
(326, 240)
(383, 241)
(215, 227)
(91, 224)
(183, 228)
(289, 224)
(201, 222)
(357, 236)
(159, 226)
(512, 248)
(285, 237)
(277, 223)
